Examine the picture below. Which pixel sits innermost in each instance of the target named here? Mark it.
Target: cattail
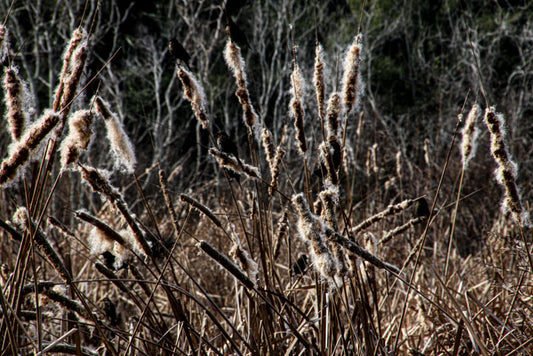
(327, 162)
(390, 210)
(99, 183)
(16, 117)
(470, 134)
(351, 246)
(194, 92)
(333, 112)
(242, 256)
(229, 161)
(78, 137)
(20, 152)
(226, 263)
(296, 108)
(121, 145)
(351, 82)
(234, 60)
(318, 81)
(67, 303)
(330, 201)
(268, 145)
(275, 171)
(275, 168)
(79, 57)
(77, 36)
(426, 152)
(399, 164)
(22, 218)
(4, 48)
(283, 225)
(507, 170)
(204, 209)
(311, 231)
(398, 230)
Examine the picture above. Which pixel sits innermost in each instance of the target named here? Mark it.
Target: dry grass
(198, 273)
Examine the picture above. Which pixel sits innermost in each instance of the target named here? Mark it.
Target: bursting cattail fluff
(470, 134)
(333, 112)
(351, 81)
(507, 170)
(78, 138)
(229, 161)
(234, 60)
(242, 256)
(318, 81)
(78, 60)
(20, 152)
(99, 182)
(3, 43)
(296, 108)
(16, 117)
(311, 230)
(194, 93)
(77, 36)
(268, 145)
(120, 143)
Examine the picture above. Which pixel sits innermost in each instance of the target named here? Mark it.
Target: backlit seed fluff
(319, 82)
(78, 138)
(351, 83)
(507, 170)
(20, 152)
(312, 231)
(194, 93)
(16, 117)
(234, 60)
(3, 43)
(470, 134)
(120, 143)
(333, 112)
(296, 108)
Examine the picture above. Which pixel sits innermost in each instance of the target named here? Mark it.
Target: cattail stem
(226, 263)
(204, 209)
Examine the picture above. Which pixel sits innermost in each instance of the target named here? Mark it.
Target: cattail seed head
(229, 161)
(241, 256)
(204, 209)
(121, 146)
(268, 145)
(20, 152)
(194, 93)
(470, 134)
(351, 82)
(311, 230)
(234, 60)
(333, 112)
(16, 117)
(77, 36)
(78, 60)
(4, 48)
(507, 170)
(78, 137)
(296, 108)
(319, 82)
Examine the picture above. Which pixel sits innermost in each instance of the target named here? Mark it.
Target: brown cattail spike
(194, 93)
(319, 82)
(16, 117)
(507, 170)
(234, 60)
(296, 108)
(78, 137)
(351, 85)
(20, 153)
